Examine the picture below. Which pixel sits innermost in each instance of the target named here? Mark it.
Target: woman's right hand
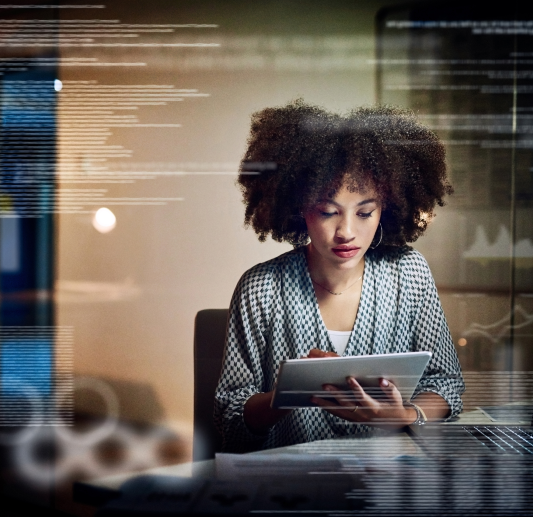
(315, 353)
(259, 416)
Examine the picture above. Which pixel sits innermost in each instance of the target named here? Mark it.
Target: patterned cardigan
(274, 315)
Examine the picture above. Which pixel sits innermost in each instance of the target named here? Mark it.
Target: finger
(352, 413)
(360, 395)
(342, 396)
(390, 391)
(324, 403)
(315, 352)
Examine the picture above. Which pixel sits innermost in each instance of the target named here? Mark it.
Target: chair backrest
(209, 337)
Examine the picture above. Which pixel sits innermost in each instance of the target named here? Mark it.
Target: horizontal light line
(82, 45)
(104, 89)
(64, 201)
(51, 6)
(103, 23)
(123, 125)
(103, 64)
(61, 29)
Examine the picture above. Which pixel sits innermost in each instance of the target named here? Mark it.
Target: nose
(345, 231)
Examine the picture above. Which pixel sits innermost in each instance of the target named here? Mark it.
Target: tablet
(300, 379)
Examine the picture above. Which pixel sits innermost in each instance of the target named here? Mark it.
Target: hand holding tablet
(316, 380)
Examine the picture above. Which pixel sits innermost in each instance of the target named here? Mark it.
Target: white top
(339, 339)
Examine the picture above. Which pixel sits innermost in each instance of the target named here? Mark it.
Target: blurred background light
(104, 220)
(58, 85)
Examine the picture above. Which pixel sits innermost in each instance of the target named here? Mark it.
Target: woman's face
(341, 228)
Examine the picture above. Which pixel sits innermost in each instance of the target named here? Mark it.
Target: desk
(387, 474)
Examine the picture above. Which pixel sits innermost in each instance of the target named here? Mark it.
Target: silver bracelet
(421, 417)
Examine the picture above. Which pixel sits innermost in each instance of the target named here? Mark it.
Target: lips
(345, 251)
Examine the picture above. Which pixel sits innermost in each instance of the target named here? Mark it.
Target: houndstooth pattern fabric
(274, 315)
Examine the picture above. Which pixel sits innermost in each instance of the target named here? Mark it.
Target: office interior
(123, 125)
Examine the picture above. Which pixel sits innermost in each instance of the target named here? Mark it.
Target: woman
(348, 192)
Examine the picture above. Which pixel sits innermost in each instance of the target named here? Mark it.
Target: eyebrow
(361, 203)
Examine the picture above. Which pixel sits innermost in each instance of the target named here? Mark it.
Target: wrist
(411, 415)
(420, 418)
(258, 416)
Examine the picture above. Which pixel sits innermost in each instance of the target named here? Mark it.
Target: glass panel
(470, 80)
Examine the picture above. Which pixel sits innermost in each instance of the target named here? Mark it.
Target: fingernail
(384, 382)
(351, 381)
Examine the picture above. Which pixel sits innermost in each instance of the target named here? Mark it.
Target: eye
(325, 211)
(365, 215)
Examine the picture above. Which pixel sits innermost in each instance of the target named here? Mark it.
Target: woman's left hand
(386, 410)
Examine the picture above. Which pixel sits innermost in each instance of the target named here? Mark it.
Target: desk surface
(376, 449)
(389, 446)
(381, 447)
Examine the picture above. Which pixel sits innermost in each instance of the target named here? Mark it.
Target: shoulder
(264, 274)
(404, 262)
(260, 286)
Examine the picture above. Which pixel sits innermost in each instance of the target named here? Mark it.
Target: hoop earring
(380, 237)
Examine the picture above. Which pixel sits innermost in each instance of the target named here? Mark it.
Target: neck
(331, 276)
